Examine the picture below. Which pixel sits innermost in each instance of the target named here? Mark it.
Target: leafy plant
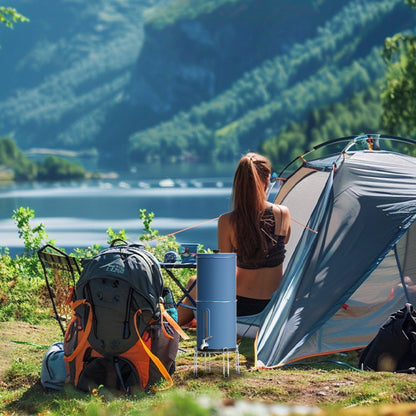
(90, 251)
(22, 287)
(32, 236)
(9, 16)
(22, 290)
(149, 232)
(411, 3)
(23, 294)
(112, 235)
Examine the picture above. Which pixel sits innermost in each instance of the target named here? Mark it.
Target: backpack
(120, 335)
(53, 372)
(394, 346)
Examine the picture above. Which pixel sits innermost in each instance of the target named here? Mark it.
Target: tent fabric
(344, 274)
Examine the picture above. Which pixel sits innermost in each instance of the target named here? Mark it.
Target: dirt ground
(11, 334)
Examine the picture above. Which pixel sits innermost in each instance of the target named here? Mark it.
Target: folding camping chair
(61, 272)
(168, 267)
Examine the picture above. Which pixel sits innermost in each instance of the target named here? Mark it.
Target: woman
(257, 231)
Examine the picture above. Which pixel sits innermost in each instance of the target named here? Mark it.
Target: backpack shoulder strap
(173, 323)
(153, 357)
(82, 342)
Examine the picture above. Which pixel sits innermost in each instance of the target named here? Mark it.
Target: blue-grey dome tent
(351, 259)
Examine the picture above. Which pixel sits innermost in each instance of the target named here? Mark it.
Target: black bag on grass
(394, 346)
(119, 335)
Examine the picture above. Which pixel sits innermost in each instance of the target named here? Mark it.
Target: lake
(78, 214)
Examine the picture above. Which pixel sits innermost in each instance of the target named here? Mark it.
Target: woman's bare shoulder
(281, 209)
(225, 218)
(282, 215)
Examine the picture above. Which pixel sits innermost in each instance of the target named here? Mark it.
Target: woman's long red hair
(249, 202)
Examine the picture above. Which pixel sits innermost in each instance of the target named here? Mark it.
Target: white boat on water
(166, 183)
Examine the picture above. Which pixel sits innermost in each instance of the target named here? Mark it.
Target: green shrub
(57, 168)
(23, 292)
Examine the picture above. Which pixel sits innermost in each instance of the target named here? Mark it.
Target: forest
(269, 99)
(359, 114)
(82, 95)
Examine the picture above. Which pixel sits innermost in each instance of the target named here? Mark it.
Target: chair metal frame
(186, 292)
(56, 261)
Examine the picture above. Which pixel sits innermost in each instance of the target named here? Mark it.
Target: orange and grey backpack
(120, 336)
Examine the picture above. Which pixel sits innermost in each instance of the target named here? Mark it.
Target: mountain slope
(63, 71)
(201, 79)
(343, 57)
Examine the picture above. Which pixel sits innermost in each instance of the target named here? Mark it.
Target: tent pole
(401, 273)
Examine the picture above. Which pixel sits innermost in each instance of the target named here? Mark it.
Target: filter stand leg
(225, 360)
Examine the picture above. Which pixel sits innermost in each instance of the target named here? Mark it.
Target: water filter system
(216, 305)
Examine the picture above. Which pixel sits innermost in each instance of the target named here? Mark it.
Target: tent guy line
(216, 218)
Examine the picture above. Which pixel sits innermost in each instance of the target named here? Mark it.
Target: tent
(351, 259)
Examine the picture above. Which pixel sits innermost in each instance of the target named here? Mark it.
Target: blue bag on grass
(53, 372)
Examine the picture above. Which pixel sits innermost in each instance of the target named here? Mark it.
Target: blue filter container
(216, 305)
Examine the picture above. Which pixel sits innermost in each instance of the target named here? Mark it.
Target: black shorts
(249, 306)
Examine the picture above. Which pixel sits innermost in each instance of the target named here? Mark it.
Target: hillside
(341, 58)
(64, 70)
(173, 80)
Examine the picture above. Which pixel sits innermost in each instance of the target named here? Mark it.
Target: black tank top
(273, 246)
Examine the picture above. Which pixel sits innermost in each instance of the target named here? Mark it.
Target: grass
(319, 384)
(330, 387)
(322, 384)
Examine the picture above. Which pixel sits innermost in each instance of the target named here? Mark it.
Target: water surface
(78, 214)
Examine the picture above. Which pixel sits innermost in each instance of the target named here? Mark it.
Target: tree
(58, 168)
(399, 95)
(12, 157)
(9, 16)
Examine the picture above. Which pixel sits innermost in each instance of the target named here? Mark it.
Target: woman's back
(272, 246)
(263, 275)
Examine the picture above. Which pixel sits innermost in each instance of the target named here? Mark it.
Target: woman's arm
(224, 234)
(282, 216)
(286, 217)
